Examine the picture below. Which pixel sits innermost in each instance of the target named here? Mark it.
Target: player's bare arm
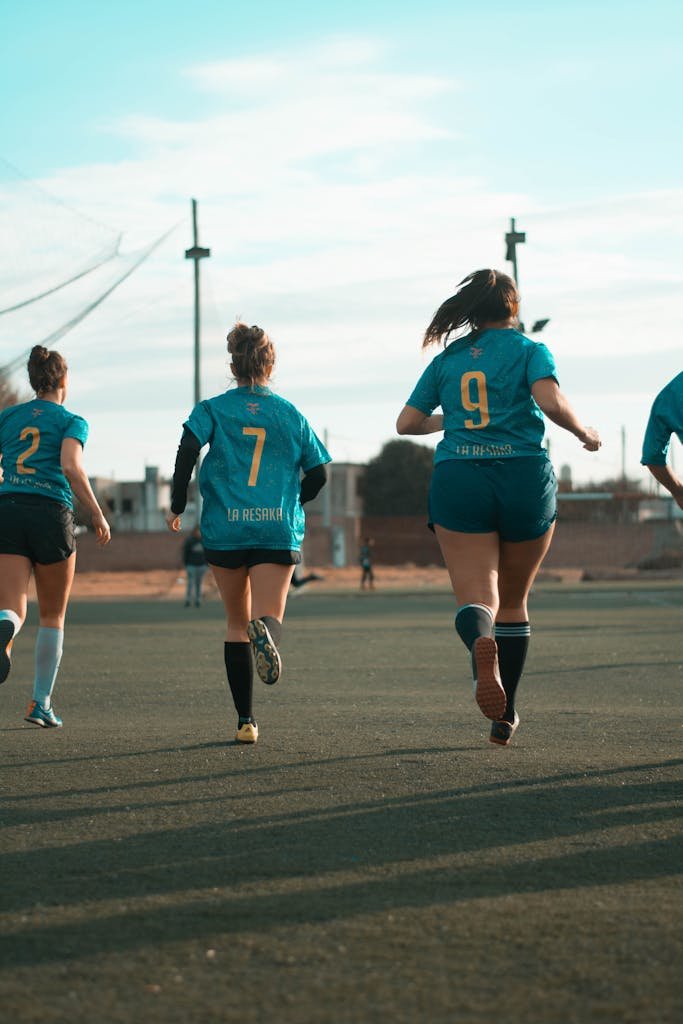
(414, 421)
(73, 469)
(554, 405)
(667, 478)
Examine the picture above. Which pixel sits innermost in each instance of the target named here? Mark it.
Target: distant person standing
(367, 575)
(492, 499)
(666, 418)
(194, 561)
(41, 444)
(252, 515)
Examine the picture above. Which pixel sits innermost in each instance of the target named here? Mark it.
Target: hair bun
(252, 351)
(39, 354)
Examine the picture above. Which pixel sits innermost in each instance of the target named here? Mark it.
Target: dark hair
(45, 369)
(485, 295)
(252, 351)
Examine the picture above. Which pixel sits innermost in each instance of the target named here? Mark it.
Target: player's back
(484, 386)
(31, 436)
(250, 478)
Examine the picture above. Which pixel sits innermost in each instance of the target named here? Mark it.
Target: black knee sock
(274, 628)
(512, 640)
(473, 621)
(239, 667)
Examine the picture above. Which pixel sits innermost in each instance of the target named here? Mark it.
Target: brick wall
(404, 539)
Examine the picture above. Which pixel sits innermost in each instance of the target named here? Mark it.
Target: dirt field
(373, 858)
(169, 585)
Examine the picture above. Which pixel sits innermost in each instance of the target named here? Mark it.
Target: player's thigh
(53, 587)
(472, 563)
(269, 587)
(234, 588)
(15, 575)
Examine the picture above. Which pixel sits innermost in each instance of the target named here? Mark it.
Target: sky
(351, 164)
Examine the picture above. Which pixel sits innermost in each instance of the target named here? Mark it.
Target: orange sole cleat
(488, 688)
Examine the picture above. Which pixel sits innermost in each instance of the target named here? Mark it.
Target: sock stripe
(484, 607)
(523, 629)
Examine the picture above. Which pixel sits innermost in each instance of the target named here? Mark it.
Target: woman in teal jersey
(252, 520)
(41, 445)
(666, 418)
(492, 496)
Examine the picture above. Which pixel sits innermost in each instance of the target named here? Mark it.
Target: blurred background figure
(300, 579)
(365, 559)
(194, 561)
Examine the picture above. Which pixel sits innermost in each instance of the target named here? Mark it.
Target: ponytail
(485, 295)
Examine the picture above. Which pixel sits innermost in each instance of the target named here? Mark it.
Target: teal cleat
(45, 718)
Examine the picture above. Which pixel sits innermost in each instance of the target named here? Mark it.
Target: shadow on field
(258, 873)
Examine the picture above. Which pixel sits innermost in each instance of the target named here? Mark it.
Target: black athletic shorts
(236, 558)
(38, 528)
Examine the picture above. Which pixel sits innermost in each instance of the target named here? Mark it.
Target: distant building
(139, 506)
(333, 519)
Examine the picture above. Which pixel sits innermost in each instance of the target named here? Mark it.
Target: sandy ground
(168, 584)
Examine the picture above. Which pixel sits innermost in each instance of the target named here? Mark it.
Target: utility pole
(196, 253)
(512, 239)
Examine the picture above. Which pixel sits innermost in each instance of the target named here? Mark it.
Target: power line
(51, 291)
(70, 324)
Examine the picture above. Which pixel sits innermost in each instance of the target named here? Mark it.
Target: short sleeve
(425, 395)
(313, 452)
(200, 422)
(657, 437)
(77, 428)
(541, 364)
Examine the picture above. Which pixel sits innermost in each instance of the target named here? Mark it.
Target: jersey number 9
(479, 403)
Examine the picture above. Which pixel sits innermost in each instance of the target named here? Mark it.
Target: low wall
(137, 552)
(577, 545)
(402, 539)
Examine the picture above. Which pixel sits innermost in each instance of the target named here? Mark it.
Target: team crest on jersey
(37, 412)
(253, 407)
(476, 352)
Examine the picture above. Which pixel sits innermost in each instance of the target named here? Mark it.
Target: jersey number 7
(260, 434)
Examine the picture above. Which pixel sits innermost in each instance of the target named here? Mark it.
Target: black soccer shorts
(37, 528)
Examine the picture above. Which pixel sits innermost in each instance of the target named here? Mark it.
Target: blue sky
(351, 165)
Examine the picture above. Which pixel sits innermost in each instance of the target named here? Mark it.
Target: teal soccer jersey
(250, 479)
(483, 385)
(666, 418)
(31, 436)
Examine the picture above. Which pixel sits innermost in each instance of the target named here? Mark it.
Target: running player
(666, 418)
(252, 520)
(492, 499)
(42, 457)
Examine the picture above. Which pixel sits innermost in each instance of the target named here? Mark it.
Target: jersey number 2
(260, 434)
(480, 403)
(34, 434)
